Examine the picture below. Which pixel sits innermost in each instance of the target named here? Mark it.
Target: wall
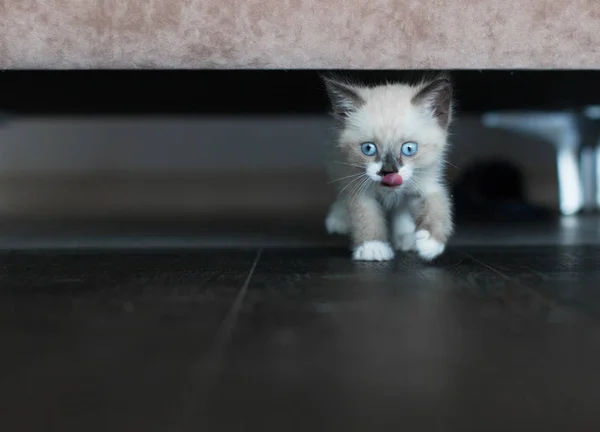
(170, 166)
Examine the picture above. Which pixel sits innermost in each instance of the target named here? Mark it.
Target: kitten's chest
(394, 201)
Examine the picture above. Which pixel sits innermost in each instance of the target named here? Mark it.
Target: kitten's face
(395, 132)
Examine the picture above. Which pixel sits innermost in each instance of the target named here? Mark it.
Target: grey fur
(389, 163)
(438, 95)
(343, 97)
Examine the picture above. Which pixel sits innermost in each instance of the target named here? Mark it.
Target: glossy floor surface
(496, 337)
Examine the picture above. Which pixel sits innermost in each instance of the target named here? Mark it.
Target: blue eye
(368, 149)
(409, 148)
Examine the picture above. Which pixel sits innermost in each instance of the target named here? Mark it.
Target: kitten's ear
(436, 98)
(344, 97)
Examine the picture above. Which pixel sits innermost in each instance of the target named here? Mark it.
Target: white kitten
(388, 161)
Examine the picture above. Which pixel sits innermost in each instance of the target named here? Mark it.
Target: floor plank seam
(228, 325)
(549, 302)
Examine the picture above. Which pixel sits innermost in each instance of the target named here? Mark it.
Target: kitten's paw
(428, 247)
(405, 242)
(373, 250)
(336, 224)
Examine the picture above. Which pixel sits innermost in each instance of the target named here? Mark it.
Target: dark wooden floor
(487, 338)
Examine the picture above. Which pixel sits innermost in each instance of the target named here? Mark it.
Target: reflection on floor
(502, 333)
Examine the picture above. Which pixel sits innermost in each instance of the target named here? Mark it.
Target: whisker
(360, 189)
(356, 188)
(351, 199)
(353, 190)
(414, 184)
(349, 176)
(349, 164)
(366, 186)
(349, 183)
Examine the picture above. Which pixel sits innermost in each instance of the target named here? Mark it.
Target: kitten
(388, 162)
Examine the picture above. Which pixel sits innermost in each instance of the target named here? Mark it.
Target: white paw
(405, 242)
(373, 250)
(427, 247)
(336, 224)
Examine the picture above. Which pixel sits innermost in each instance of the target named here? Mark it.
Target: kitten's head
(397, 132)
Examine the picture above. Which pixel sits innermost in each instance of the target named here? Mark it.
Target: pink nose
(393, 179)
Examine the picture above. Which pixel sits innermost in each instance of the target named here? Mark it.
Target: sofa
(292, 34)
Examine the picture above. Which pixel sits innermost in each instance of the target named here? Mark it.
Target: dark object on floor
(493, 191)
(488, 338)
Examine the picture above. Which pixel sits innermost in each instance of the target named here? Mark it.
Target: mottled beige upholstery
(368, 34)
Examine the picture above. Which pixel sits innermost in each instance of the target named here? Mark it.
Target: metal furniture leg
(563, 131)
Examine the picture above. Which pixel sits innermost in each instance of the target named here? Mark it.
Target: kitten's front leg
(403, 230)
(433, 217)
(369, 230)
(337, 220)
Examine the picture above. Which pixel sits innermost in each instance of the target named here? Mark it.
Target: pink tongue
(394, 179)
